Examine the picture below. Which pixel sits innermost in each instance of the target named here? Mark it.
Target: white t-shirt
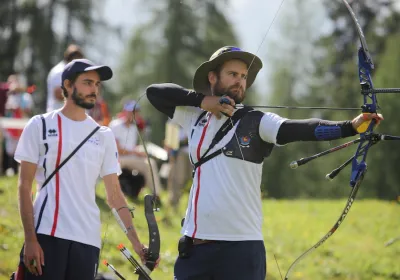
(225, 198)
(71, 212)
(127, 136)
(53, 82)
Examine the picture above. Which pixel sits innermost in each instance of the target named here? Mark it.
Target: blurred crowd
(167, 169)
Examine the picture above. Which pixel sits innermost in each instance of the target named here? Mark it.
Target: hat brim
(104, 71)
(200, 80)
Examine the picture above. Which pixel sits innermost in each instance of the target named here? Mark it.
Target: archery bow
(152, 253)
(366, 140)
(150, 206)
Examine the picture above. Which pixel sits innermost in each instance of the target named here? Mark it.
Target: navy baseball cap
(77, 66)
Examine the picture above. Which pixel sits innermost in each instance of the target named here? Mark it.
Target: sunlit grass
(356, 251)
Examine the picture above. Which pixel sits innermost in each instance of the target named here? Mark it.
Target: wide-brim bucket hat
(200, 79)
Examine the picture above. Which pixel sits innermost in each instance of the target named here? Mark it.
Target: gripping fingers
(227, 110)
(366, 119)
(377, 117)
(228, 106)
(227, 100)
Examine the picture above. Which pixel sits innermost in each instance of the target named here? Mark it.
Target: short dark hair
(72, 80)
(72, 52)
(218, 69)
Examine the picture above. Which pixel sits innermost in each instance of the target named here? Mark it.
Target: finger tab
(224, 100)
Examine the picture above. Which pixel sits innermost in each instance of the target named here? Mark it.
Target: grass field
(356, 251)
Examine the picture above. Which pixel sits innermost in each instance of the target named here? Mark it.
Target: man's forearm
(126, 218)
(26, 212)
(313, 130)
(118, 202)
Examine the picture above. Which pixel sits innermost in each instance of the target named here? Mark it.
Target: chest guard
(247, 140)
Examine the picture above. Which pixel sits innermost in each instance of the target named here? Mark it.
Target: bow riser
(359, 165)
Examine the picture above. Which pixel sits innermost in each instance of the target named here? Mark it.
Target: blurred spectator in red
(3, 97)
(100, 112)
(19, 105)
(133, 106)
(5, 88)
(55, 97)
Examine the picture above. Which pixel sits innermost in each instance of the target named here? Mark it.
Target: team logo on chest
(245, 141)
(203, 122)
(52, 132)
(94, 140)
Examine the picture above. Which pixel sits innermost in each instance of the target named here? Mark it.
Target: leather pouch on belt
(185, 246)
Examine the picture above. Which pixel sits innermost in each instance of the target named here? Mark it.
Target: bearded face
(84, 101)
(230, 81)
(85, 89)
(236, 92)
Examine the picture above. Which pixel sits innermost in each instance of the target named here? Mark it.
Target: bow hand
(362, 121)
(150, 261)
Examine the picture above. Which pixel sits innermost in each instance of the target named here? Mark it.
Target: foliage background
(310, 61)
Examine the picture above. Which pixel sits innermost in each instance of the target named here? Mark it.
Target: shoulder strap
(69, 157)
(228, 125)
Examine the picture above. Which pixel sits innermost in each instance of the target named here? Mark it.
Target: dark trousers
(66, 260)
(230, 260)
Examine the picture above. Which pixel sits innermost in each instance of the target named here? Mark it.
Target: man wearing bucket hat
(222, 230)
(62, 227)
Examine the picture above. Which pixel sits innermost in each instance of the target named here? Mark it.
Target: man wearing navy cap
(62, 227)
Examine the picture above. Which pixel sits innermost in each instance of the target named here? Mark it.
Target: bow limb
(342, 216)
(153, 251)
(150, 206)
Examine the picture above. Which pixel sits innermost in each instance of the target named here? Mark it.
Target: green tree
(291, 84)
(168, 48)
(9, 37)
(29, 44)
